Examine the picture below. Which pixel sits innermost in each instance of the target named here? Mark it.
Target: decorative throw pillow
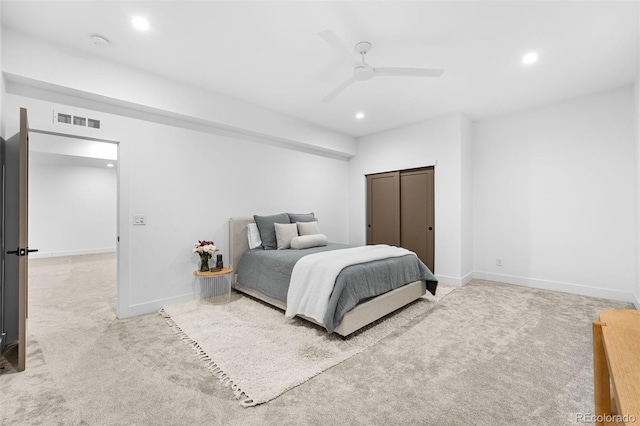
(301, 217)
(308, 241)
(253, 236)
(285, 232)
(308, 228)
(267, 230)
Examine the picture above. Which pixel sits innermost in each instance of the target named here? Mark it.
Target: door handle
(21, 251)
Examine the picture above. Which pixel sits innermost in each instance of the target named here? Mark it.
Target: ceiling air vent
(60, 117)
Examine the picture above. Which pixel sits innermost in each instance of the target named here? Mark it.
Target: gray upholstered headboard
(238, 242)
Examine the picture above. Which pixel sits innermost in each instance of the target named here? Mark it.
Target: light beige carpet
(487, 354)
(259, 354)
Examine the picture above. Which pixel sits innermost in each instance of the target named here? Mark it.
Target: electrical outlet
(498, 262)
(139, 220)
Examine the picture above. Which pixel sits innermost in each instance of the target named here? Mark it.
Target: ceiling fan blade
(334, 41)
(409, 72)
(335, 92)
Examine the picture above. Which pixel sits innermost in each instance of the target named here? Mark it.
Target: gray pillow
(267, 230)
(308, 241)
(301, 217)
(284, 233)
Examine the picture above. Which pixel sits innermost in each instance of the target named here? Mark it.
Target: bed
(264, 274)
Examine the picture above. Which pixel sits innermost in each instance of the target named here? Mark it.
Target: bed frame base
(364, 313)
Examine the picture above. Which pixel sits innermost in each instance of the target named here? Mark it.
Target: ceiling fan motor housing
(363, 72)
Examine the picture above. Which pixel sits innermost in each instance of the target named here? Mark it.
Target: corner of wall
(466, 202)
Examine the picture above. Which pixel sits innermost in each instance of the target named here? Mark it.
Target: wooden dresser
(616, 367)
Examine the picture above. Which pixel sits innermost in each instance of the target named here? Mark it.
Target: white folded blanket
(314, 276)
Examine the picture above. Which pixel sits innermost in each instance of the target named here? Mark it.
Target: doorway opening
(73, 209)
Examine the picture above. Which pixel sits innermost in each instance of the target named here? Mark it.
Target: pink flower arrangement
(205, 248)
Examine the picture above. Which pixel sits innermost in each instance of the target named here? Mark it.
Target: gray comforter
(269, 272)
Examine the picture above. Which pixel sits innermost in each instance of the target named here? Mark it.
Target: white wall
(436, 142)
(188, 184)
(72, 209)
(637, 252)
(554, 192)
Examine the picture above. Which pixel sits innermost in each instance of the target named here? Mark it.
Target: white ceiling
(269, 53)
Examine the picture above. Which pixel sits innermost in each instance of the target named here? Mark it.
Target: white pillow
(253, 236)
(308, 241)
(285, 232)
(308, 228)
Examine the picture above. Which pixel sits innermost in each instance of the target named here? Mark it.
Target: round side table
(213, 287)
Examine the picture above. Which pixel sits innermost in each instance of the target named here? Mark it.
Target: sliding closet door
(383, 208)
(401, 211)
(417, 213)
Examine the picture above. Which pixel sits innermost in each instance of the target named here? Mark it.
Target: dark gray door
(417, 213)
(383, 208)
(15, 239)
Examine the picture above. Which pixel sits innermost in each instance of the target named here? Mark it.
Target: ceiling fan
(363, 71)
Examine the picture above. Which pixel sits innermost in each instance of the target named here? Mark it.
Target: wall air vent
(64, 118)
(76, 120)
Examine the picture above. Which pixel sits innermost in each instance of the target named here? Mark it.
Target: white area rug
(259, 354)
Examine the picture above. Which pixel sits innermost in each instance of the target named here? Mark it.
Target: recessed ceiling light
(360, 115)
(529, 58)
(110, 165)
(140, 23)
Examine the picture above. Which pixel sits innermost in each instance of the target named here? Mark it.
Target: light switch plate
(139, 220)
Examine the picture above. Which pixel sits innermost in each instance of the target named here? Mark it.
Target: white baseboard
(42, 254)
(466, 279)
(455, 281)
(447, 280)
(153, 306)
(444, 279)
(583, 290)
